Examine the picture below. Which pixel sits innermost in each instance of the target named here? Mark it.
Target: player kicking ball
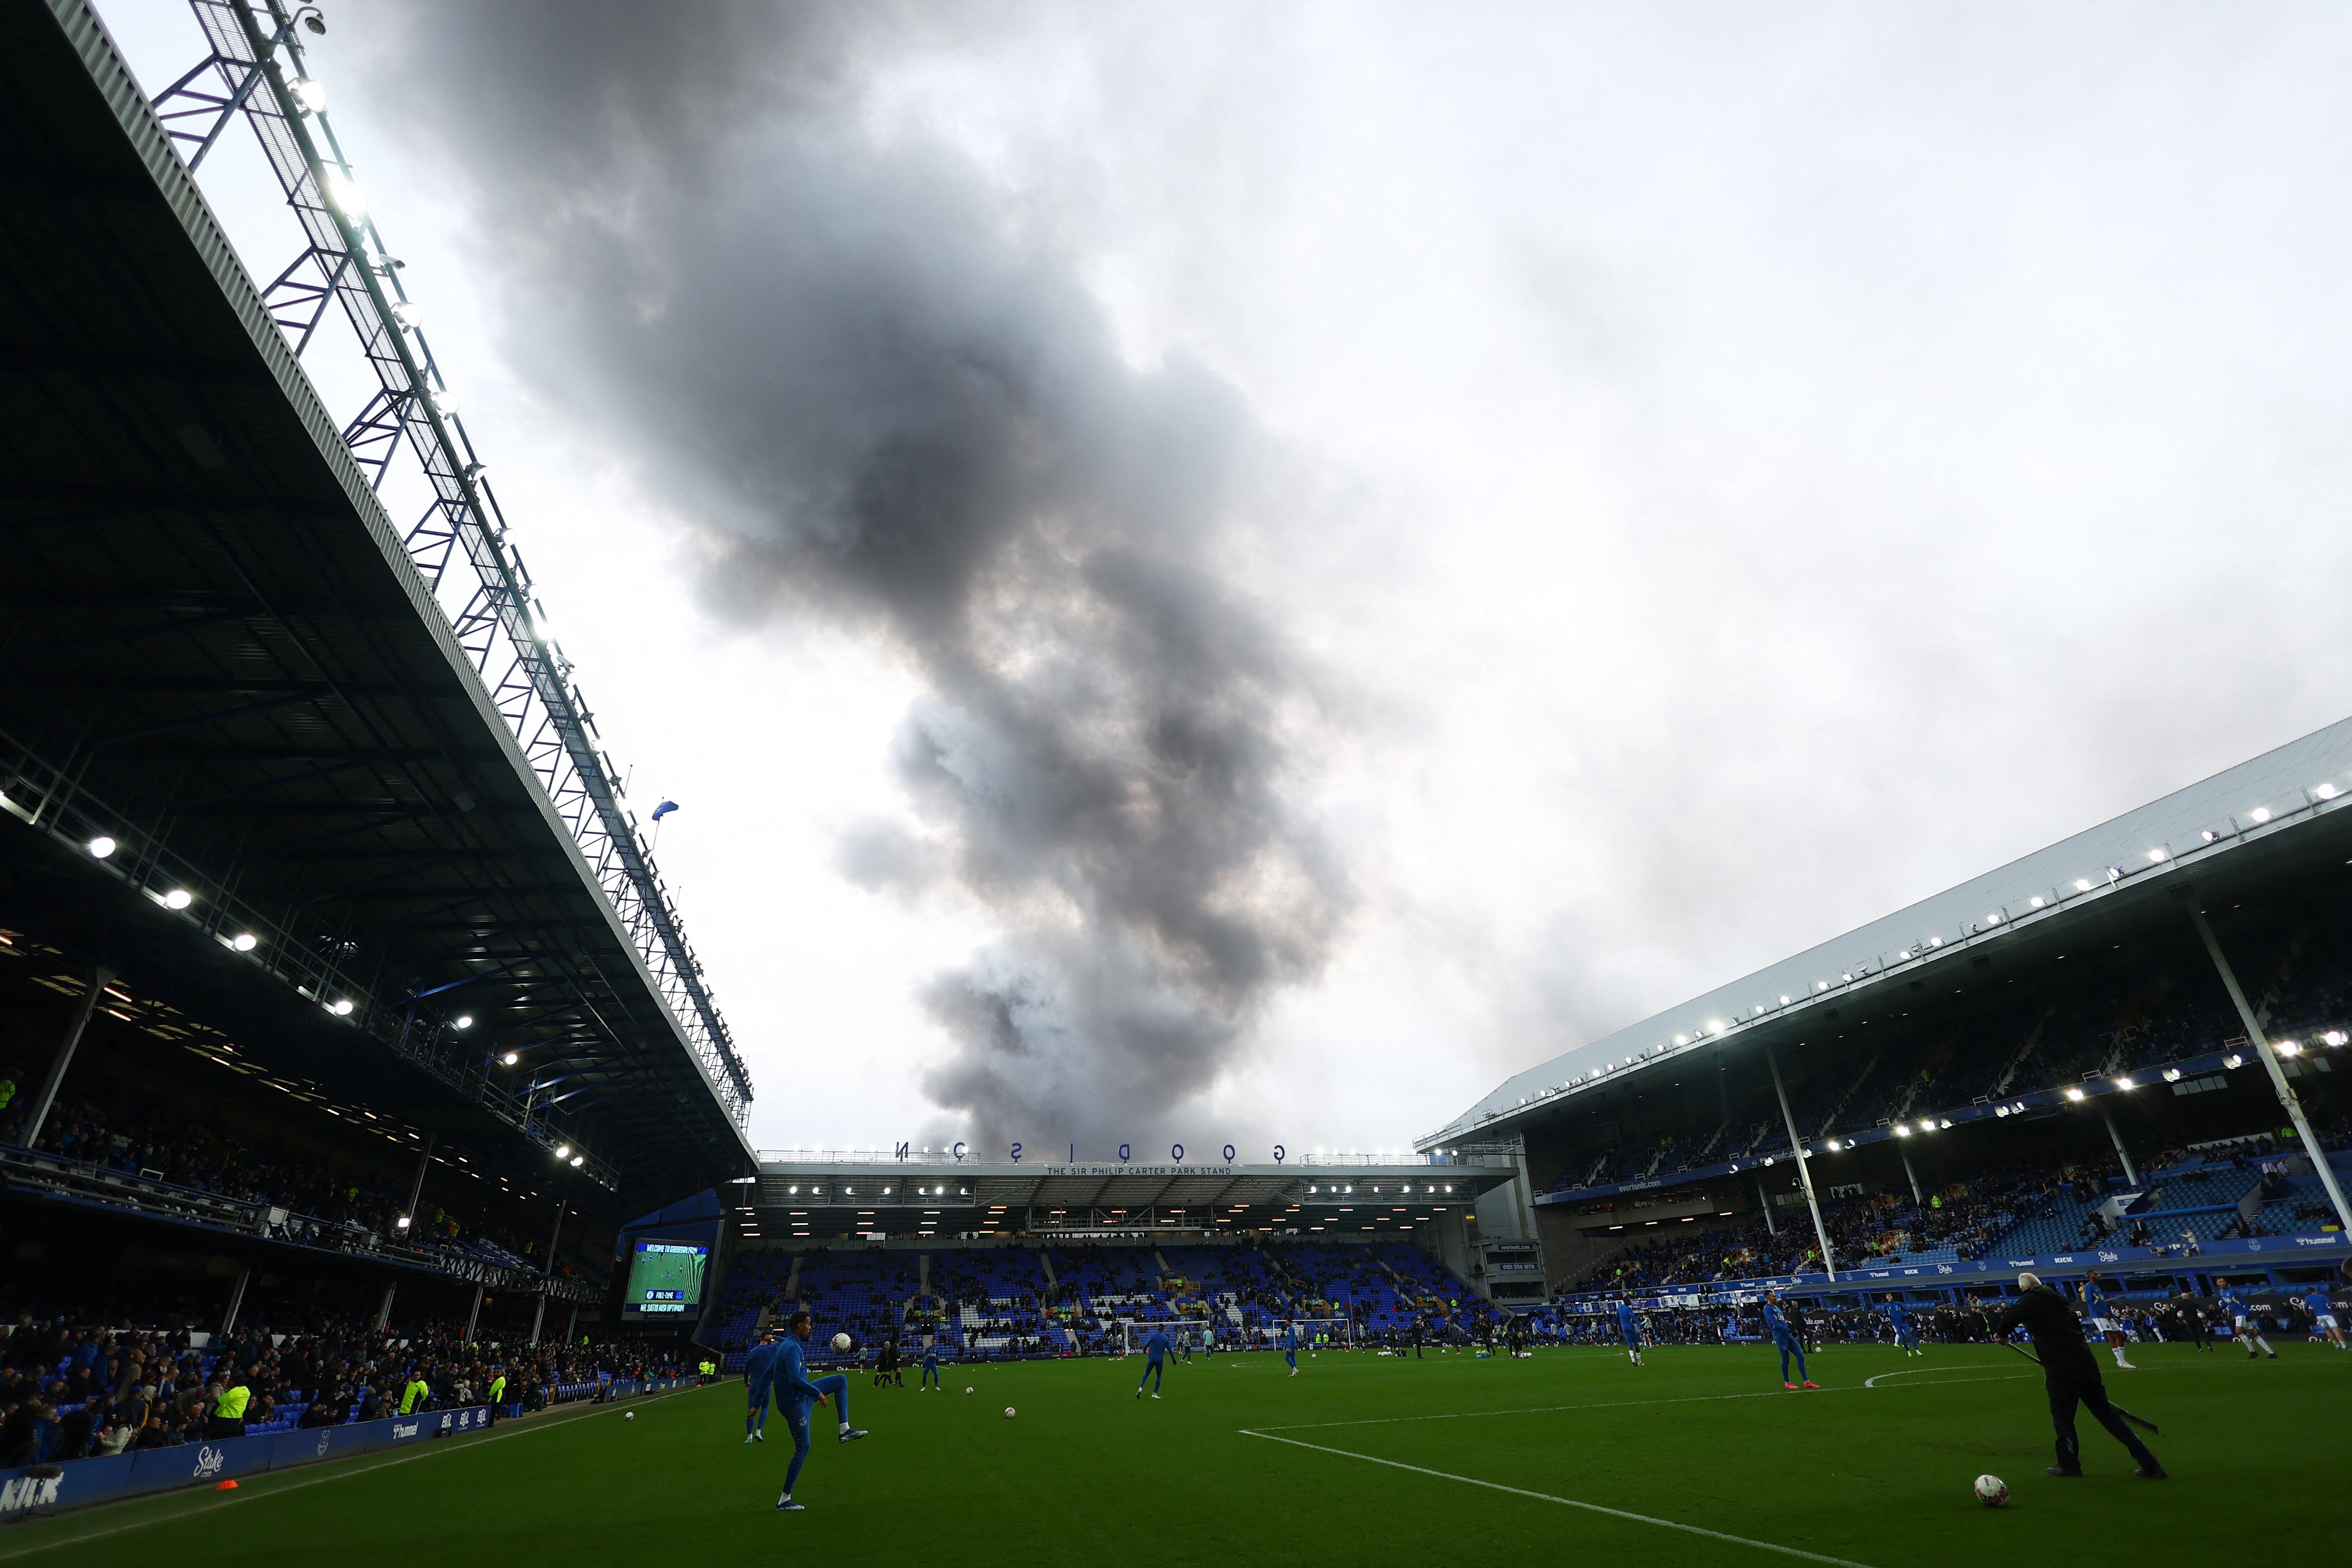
(1155, 1350)
(1899, 1318)
(1784, 1340)
(1629, 1327)
(2242, 1326)
(759, 1375)
(796, 1396)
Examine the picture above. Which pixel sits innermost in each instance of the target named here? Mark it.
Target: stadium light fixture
(245, 942)
(2260, 814)
(345, 194)
(2156, 857)
(342, 1007)
(2126, 1082)
(2036, 901)
(1833, 1145)
(565, 1150)
(99, 847)
(312, 95)
(2334, 1037)
(1946, 1122)
(1902, 1130)
(2172, 1075)
(511, 1058)
(578, 1161)
(2075, 1094)
(2325, 791)
(2289, 1048)
(1993, 918)
(2001, 1111)
(2233, 1061)
(2081, 884)
(404, 1222)
(465, 1020)
(178, 898)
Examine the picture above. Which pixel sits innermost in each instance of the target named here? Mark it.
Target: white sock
(2265, 1344)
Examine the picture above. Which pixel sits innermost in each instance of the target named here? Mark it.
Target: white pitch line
(335, 1473)
(1906, 1371)
(1572, 1502)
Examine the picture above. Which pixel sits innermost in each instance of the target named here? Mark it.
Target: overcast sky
(1239, 573)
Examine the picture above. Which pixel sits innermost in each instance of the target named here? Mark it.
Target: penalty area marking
(1572, 1502)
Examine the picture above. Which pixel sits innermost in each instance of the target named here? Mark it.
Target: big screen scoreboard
(666, 1277)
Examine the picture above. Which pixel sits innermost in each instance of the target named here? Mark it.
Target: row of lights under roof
(179, 898)
(2156, 857)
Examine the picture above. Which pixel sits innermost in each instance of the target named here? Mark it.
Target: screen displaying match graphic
(666, 1277)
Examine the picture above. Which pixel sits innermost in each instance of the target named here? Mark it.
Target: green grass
(1088, 1475)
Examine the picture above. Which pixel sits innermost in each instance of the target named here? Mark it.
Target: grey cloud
(887, 405)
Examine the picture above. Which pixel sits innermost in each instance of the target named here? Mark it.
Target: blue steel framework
(256, 68)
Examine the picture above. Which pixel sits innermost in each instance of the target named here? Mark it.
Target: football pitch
(1699, 1458)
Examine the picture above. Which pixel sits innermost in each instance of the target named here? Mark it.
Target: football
(967, 1391)
(840, 1341)
(628, 1416)
(1992, 1491)
(1008, 1413)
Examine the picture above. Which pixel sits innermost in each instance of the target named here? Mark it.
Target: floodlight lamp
(342, 1007)
(1833, 1145)
(312, 95)
(100, 846)
(407, 314)
(2081, 884)
(511, 1058)
(1903, 1130)
(1992, 920)
(578, 1161)
(2233, 1061)
(1935, 941)
(563, 1151)
(2172, 1075)
(465, 1020)
(2334, 1037)
(2001, 1111)
(2208, 835)
(2156, 857)
(1946, 1122)
(178, 898)
(344, 193)
(2325, 791)
(2036, 902)
(404, 1222)
(245, 942)
(446, 402)
(2260, 814)
(2289, 1048)
(1903, 952)
(1820, 984)
(2075, 1094)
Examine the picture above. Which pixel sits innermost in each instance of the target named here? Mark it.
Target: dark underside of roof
(209, 639)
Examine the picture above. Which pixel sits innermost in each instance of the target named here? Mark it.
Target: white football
(840, 1341)
(1008, 1413)
(967, 1391)
(1992, 1491)
(628, 1416)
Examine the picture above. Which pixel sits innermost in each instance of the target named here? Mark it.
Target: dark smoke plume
(886, 405)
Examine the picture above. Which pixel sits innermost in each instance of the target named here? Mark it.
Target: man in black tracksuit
(2071, 1374)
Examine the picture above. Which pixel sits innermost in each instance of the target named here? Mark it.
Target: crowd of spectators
(71, 1392)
